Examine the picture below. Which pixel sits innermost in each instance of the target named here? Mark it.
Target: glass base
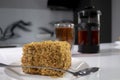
(88, 48)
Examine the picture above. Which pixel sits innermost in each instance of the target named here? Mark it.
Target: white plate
(16, 73)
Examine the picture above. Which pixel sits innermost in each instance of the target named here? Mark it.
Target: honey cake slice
(55, 54)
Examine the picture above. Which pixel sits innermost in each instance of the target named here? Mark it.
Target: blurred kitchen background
(23, 21)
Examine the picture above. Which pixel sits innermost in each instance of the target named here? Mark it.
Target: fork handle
(39, 67)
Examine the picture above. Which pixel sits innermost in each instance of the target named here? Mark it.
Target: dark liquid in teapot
(87, 45)
(83, 37)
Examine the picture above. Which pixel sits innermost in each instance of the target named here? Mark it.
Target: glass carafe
(89, 30)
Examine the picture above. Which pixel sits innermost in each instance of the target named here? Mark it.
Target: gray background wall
(24, 4)
(35, 11)
(29, 10)
(115, 19)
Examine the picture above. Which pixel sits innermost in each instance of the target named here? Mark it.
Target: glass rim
(64, 25)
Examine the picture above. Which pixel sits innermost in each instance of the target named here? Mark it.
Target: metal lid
(89, 12)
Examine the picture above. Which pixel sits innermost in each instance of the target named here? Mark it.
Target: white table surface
(108, 60)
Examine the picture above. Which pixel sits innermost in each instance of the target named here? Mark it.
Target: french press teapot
(89, 30)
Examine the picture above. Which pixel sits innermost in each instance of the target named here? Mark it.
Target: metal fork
(82, 72)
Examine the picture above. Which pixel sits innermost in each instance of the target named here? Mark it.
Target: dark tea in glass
(65, 32)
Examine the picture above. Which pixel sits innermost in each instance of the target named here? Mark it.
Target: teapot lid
(89, 11)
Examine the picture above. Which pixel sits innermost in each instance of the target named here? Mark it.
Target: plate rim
(20, 77)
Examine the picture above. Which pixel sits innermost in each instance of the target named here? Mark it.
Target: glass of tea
(65, 32)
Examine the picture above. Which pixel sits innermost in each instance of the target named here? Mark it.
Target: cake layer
(55, 54)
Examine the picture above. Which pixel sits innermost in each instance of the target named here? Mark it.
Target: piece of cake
(55, 54)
